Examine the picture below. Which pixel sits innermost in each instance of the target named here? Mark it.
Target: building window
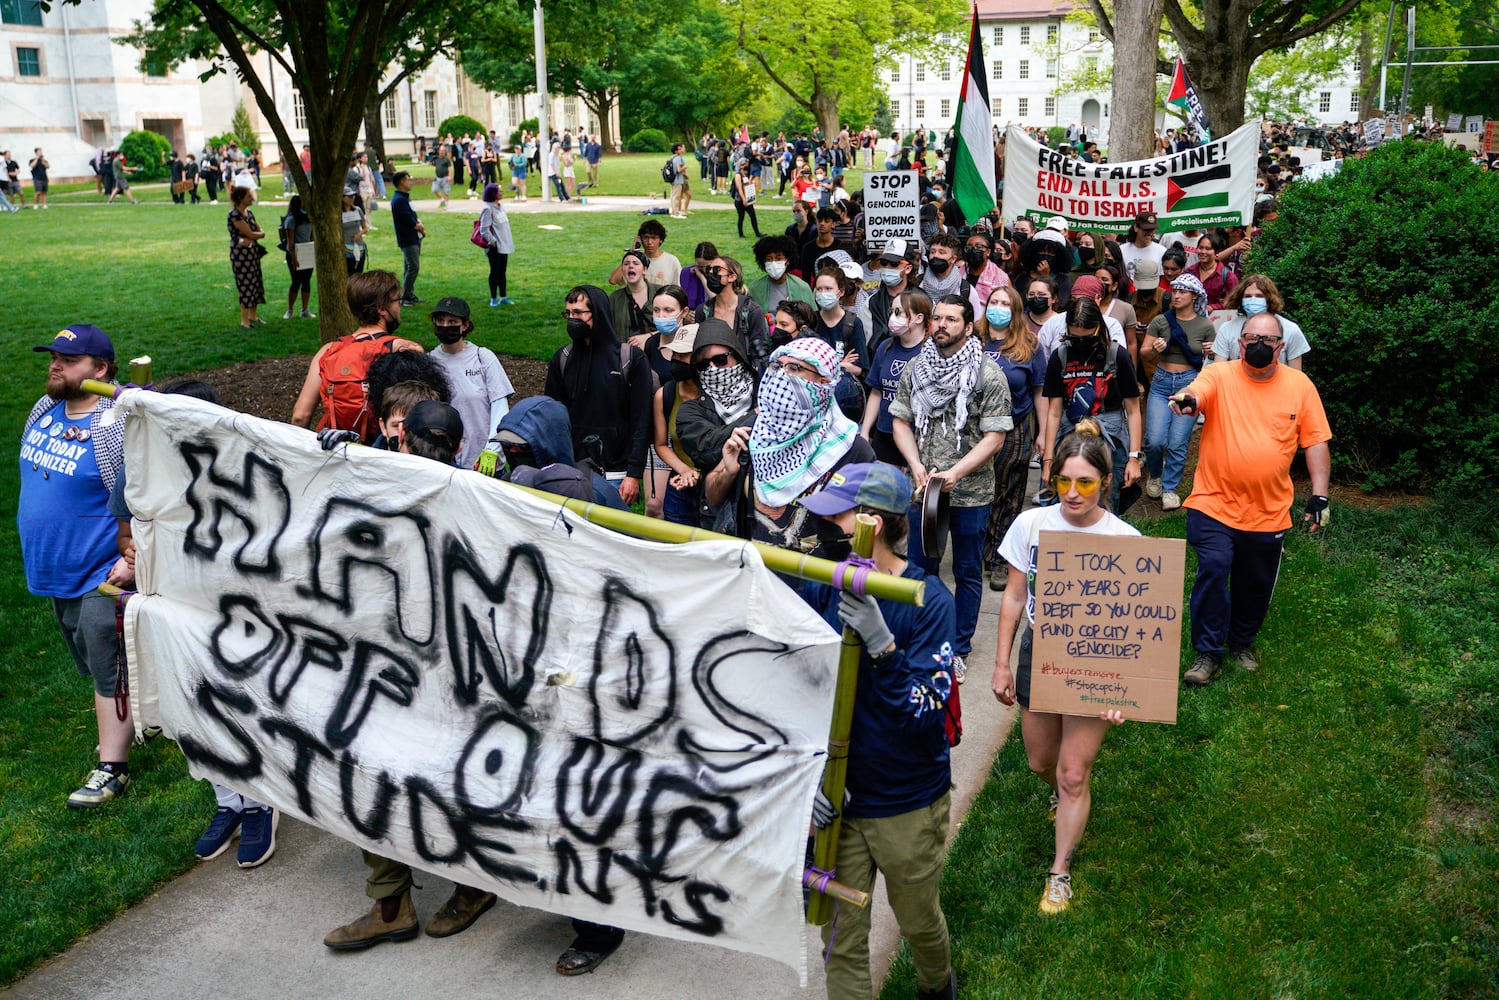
(1358, 63)
(517, 109)
(895, 74)
(28, 62)
(946, 108)
(1353, 103)
(1051, 107)
(920, 72)
(895, 111)
(1025, 106)
(998, 106)
(1025, 69)
(28, 12)
(1324, 102)
(1051, 34)
(1025, 34)
(947, 38)
(999, 70)
(429, 109)
(392, 113)
(298, 111)
(1106, 109)
(946, 71)
(1051, 69)
(999, 34)
(462, 101)
(921, 109)
(1092, 35)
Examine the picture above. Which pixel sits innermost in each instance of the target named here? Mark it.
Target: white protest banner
(1373, 132)
(1473, 123)
(450, 672)
(892, 209)
(1454, 122)
(1207, 185)
(1108, 625)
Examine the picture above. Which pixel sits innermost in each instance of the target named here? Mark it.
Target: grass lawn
(1323, 828)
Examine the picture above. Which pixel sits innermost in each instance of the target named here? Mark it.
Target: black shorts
(1023, 669)
(885, 449)
(40, 187)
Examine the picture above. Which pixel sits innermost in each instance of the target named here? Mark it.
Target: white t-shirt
(1170, 240)
(477, 379)
(663, 270)
(1020, 542)
(1133, 254)
(1226, 343)
(1055, 329)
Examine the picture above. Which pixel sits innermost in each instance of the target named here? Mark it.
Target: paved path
(222, 931)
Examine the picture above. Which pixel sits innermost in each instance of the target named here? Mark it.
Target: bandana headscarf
(937, 382)
(731, 390)
(1189, 283)
(799, 433)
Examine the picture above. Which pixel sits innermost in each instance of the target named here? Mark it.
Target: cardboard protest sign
(892, 209)
(1373, 132)
(1205, 186)
(1454, 122)
(448, 671)
(1473, 123)
(1491, 137)
(1108, 625)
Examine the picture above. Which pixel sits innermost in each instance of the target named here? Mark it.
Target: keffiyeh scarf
(730, 389)
(938, 382)
(799, 432)
(1189, 283)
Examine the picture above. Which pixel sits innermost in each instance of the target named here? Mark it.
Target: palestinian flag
(1184, 96)
(1198, 190)
(973, 159)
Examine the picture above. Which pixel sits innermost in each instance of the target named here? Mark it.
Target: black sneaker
(98, 788)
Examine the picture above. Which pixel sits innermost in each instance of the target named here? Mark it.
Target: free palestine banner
(448, 671)
(1208, 185)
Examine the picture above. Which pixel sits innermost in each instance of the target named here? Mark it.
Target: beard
(59, 387)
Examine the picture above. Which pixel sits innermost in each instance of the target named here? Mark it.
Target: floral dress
(245, 261)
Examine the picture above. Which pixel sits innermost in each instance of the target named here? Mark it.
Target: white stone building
(68, 85)
(1030, 50)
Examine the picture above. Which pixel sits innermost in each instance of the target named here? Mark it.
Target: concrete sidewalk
(224, 931)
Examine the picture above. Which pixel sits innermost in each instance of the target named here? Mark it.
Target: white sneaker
(286, 315)
(1153, 487)
(1170, 501)
(959, 669)
(1058, 895)
(308, 314)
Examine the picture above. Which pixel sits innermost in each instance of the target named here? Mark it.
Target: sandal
(576, 961)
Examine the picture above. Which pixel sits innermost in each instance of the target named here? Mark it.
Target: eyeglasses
(793, 367)
(576, 313)
(1272, 341)
(1085, 487)
(716, 361)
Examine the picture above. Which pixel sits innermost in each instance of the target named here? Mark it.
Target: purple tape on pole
(862, 567)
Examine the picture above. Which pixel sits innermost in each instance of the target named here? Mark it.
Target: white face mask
(775, 268)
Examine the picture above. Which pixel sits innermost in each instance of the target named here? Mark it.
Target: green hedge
(457, 125)
(1391, 268)
(531, 125)
(648, 140)
(149, 153)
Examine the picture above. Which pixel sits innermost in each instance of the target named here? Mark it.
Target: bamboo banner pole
(835, 774)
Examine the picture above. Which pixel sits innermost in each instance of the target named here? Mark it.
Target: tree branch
(1259, 44)
(776, 79)
(1105, 26)
(1188, 35)
(245, 31)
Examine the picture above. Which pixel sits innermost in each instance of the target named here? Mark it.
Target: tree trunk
(324, 202)
(825, 110)
(601, 102)
(374, 129)
(1132, 124)
(1221, 75)
(1368, 78)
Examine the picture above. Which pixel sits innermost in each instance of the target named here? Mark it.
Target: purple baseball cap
(80, 338)
(865, 484)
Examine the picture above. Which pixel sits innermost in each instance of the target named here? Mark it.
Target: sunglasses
(717, 361)
(1085, 487)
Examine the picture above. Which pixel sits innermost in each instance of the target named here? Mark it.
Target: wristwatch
(1136, 454)
(882, 658)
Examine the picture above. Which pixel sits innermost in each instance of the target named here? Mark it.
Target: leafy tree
(147, 152)
(826, 56)
(1220, 40)
(336, 52)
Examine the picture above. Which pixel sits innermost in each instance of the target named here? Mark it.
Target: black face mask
(1085, 254)
(713, 281)
(833, 541)
(1038, 304)
(975, 257)
(392, 322)
(682, 371)
(449, 334)
(938, 266)
(578, 329)
(1259, 355)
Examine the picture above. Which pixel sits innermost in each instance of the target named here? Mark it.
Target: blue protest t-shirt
(67, 533)
(889, 361)
(898, 756)
(1023, 378)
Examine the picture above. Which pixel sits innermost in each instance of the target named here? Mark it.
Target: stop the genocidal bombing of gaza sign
(1207, 185)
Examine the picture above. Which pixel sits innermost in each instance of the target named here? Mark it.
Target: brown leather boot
(463, 907)
(391, 919)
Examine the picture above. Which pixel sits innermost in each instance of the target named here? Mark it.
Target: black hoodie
(607, 391)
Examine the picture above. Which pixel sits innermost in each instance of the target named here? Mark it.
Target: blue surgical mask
(665, 326)
(826, 300)
(998, 316)
(1253, 306)
(890, 275)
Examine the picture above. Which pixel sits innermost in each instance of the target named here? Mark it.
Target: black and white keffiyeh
(942, 386)
(731, 389)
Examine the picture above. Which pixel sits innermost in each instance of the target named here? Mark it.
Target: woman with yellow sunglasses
(1061, 748)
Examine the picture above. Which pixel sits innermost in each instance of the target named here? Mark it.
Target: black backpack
(668, 172)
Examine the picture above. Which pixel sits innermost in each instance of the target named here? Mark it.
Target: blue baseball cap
(80, 338)
(874, 485)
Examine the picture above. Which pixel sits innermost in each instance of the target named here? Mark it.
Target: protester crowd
(917, 381)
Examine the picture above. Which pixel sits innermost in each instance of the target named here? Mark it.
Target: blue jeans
(1115, 426)
(412, 256)
(966, 531)
(1166, 431)
(680, 506)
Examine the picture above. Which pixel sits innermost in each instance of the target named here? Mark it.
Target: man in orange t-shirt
(1259, 412)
